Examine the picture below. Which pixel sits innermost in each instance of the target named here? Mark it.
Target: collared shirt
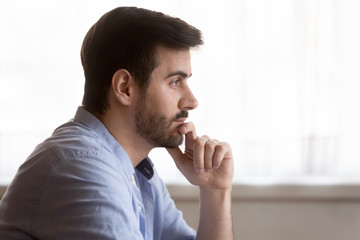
(78, 184)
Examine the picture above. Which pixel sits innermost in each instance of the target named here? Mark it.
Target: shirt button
(139, 207)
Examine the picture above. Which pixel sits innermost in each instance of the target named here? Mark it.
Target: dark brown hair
(126, 38)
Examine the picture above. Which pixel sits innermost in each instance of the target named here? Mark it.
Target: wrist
(206, 192)
(215, 214)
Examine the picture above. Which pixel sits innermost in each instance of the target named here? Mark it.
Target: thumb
(177, 156)
(181, 159)
(188, 129)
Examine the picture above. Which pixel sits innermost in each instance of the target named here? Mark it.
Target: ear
(123, 86)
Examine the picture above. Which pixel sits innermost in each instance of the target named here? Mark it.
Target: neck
(125, 134)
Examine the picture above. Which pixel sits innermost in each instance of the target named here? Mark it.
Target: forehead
(172, 60)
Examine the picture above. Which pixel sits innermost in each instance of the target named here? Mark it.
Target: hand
(206, 162)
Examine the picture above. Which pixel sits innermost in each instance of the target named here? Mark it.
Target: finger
(190, 135)
(221, 151)
(209, 154)
(198, 154)
(188, 129)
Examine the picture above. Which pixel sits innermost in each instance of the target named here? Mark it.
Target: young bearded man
(92, 178)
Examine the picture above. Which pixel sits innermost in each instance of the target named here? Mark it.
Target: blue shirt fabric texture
(78, 184)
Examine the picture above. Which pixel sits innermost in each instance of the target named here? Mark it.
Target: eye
(175, 82)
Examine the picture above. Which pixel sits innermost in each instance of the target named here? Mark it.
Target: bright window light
(278, 80)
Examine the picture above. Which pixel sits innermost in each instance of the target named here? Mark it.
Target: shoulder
(71, 140)
(72, 167)
(72, 154)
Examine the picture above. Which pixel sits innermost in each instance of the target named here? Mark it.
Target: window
(278, 80)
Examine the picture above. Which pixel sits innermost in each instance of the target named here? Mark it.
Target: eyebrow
(179, 73)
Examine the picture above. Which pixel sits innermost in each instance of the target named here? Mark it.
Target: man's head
(128, 38)
(164, 107)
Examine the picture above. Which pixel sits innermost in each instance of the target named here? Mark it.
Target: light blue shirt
(78, 184)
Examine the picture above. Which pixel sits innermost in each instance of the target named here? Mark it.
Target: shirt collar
(146, 168)
(89, 120)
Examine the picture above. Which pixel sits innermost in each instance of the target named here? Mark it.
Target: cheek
(164, 100)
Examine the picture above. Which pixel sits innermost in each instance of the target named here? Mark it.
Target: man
(92, 178)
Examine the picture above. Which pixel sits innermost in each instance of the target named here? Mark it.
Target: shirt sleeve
(76, 197)
(87, 200)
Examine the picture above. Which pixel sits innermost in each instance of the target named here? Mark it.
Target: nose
(188, 100)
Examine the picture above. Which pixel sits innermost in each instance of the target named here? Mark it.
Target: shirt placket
(139, 207)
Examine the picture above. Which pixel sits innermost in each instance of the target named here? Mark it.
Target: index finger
(188, 129)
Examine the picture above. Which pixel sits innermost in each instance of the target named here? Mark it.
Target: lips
(180, 120)
(181, 117)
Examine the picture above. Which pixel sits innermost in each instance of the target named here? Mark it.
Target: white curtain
(279, 80)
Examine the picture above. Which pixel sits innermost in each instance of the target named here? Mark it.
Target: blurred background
(279, 80)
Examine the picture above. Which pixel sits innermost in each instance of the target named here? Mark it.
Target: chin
(173, 141)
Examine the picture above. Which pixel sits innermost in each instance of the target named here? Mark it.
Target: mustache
(181, 114)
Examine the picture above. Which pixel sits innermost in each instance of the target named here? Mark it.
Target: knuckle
(221, 147)
(200, 141)
(210, 145)
(205, 137)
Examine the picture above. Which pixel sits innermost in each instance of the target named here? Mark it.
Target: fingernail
(207, 170)
(215, 166)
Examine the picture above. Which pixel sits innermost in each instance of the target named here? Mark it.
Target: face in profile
(166, 102)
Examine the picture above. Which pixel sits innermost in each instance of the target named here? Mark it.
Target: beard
(155, 127)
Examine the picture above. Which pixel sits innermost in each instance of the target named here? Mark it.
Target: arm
(215, 215)
(208, 163)
(85, 199)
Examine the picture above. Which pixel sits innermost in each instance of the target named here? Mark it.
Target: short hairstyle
(126, 38)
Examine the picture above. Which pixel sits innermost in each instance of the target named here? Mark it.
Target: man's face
(165, 104)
